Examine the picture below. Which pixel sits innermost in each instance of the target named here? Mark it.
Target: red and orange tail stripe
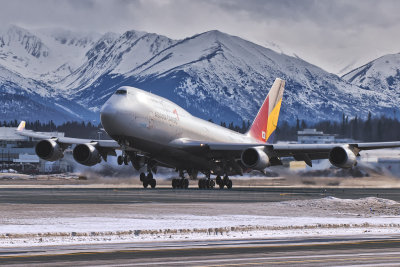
(266, 121)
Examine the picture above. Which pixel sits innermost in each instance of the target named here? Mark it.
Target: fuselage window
(120, 92)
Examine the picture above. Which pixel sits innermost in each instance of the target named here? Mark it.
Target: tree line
(367, 130)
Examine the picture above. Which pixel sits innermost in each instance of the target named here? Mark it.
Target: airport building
(312, 136)
(17, 153)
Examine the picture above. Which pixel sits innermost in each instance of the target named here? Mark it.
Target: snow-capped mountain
(223, 77)
(381, 75)
(26, 99)
(47, 54)
(213, 75)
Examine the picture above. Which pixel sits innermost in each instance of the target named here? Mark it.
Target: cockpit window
(121, 92)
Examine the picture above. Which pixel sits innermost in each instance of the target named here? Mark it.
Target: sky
(332, 34)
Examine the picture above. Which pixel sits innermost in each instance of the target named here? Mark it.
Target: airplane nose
(108, 116)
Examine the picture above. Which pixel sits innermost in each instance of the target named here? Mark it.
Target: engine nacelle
(86, 154)
(49, 150)
(255, 158)
(342, 157)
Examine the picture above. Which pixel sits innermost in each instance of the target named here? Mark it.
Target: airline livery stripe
(273, 119)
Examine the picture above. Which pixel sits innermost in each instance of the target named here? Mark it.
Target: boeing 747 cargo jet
(152, 131)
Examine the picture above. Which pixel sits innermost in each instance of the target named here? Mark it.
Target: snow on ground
(24, 225)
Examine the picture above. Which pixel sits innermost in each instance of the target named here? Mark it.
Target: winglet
(21, 126)
(264, 125)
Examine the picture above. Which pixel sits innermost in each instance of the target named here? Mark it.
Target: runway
(261, 226)
(300, 252)
(139, 195)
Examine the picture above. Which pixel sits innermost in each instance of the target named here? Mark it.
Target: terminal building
(17, 153)
(312, 136)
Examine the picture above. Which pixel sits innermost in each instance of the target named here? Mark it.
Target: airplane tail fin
(21, 126)
(264, 125)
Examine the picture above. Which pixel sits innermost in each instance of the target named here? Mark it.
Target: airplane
(152, 132)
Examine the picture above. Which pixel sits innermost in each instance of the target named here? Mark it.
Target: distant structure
(18, 153)
(312, 136)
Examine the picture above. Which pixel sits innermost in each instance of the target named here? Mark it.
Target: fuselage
(140, 120)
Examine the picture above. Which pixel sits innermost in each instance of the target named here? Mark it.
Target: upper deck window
(120, 92)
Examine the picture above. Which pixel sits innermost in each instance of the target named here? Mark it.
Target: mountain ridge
(212, 74)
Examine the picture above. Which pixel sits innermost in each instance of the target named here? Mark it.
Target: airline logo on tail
(264, 125)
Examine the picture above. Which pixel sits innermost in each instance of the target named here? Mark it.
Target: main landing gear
(180, 183)
(148, 180)
(224, 182)
(207, 183)
(123, 159)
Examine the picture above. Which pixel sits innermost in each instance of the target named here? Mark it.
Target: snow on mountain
(116, 55)
(47, 54)
(26, 99)
(225, 78)
(381, 75)
(214, 75)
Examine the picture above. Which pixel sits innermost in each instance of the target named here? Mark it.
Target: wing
(69, 140)
(314, 150)
(106, 147)
(300, 152)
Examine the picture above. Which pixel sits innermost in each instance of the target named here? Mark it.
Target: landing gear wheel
(219, 182)
(180, 183)
(126, 160)
(226, 182)
(210, 184)
(206, 184)
(153, 183)
(120, 160)
(229, 185)
(142, 177)
(148, 180)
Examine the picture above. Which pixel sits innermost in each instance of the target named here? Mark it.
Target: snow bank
(61, 226)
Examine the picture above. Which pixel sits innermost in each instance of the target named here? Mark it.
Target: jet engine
(342, 157)
(49, 150)
(86, 154)
(255, 158)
